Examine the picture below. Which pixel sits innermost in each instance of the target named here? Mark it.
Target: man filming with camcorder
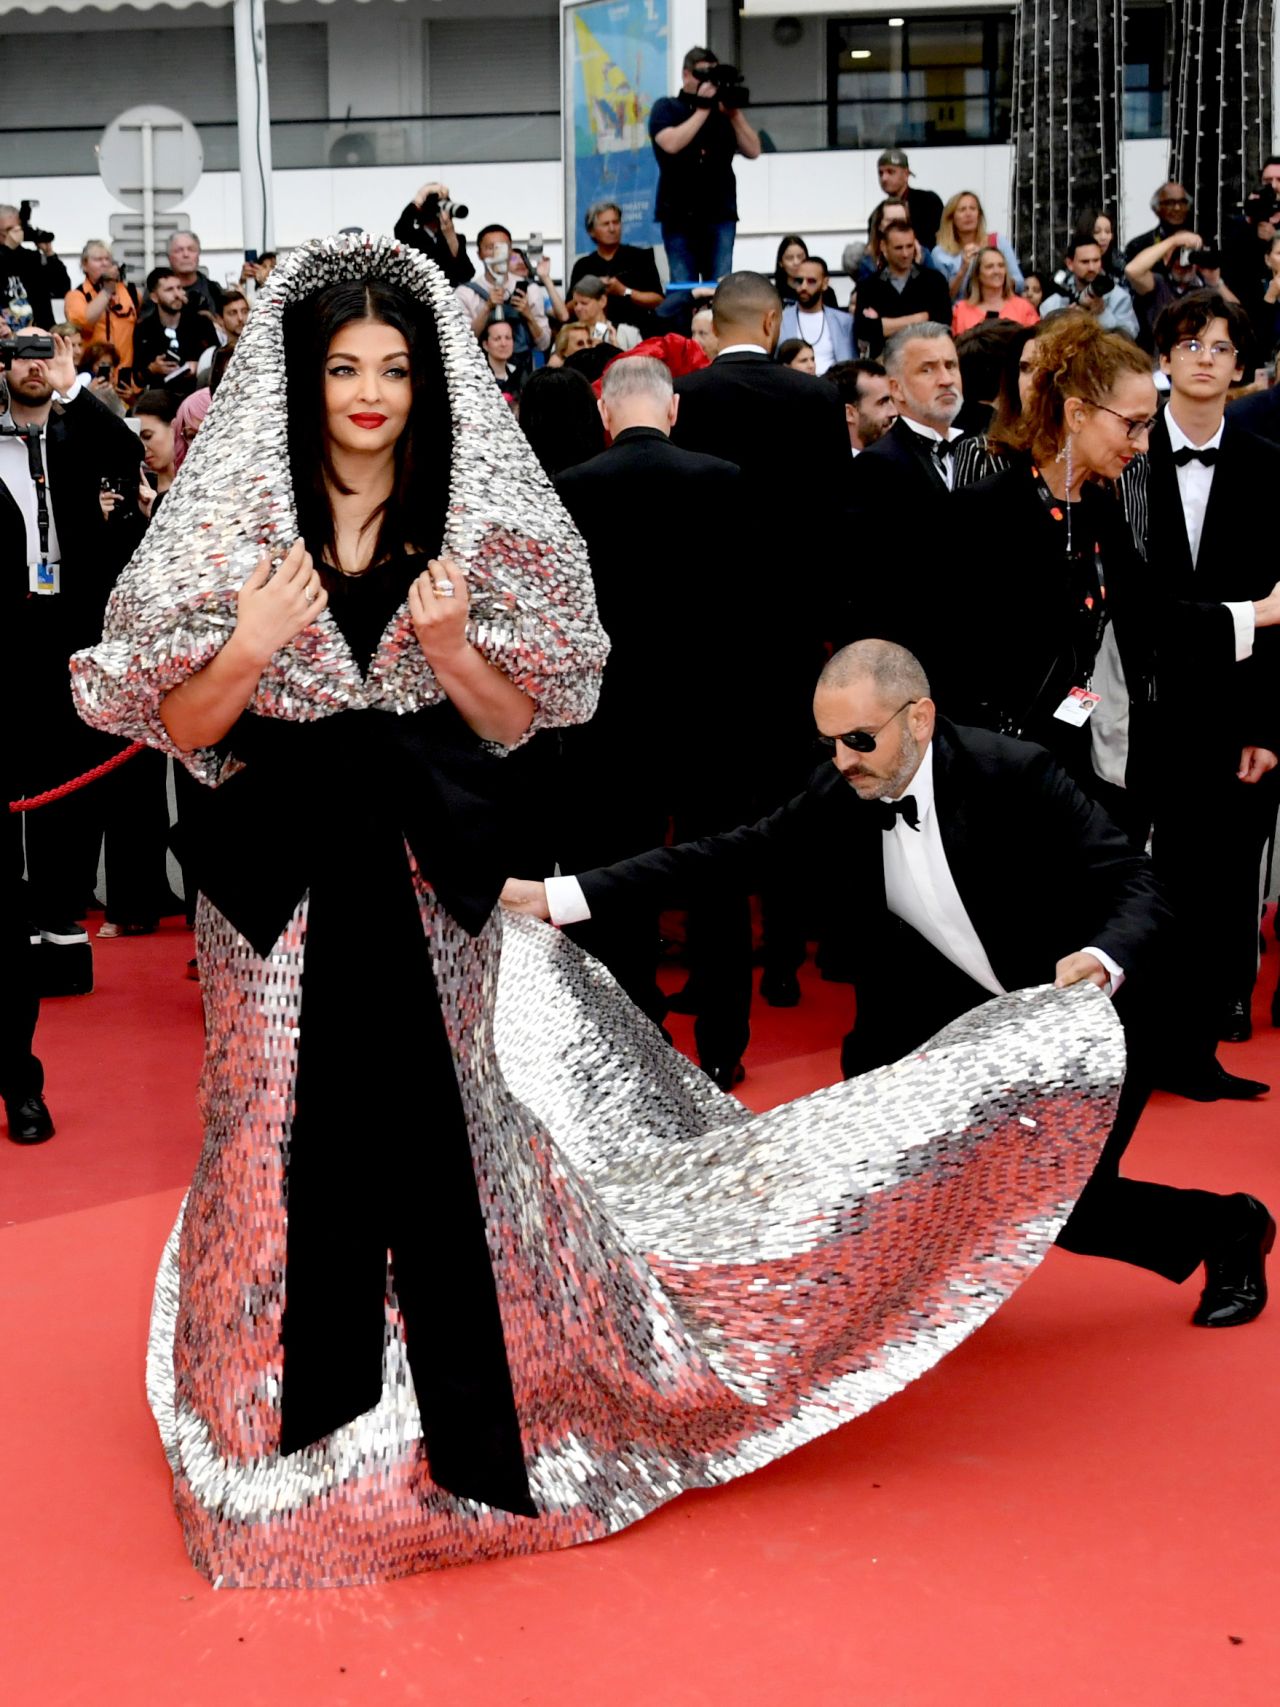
(31, 280)
(1082, 283)
(695, 136)
(427, 225)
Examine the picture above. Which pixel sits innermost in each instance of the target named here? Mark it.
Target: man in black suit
(1217, 702)
(1258, 414)
(786, 431)
(60, 553)
(899, 490)
(967, 864)
(673, 571)
(170, 336)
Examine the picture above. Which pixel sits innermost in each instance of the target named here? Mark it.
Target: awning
(122, 5)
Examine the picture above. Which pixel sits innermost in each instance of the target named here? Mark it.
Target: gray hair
(589, 285)
(177, 234)
(896, 673)
(596, 209)
(637, 376)
(94, 243)
(895, 347)
(852, 256)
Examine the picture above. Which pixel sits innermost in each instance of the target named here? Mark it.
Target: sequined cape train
(687, 1291)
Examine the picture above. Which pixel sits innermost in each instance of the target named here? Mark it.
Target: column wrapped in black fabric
(1220, 101)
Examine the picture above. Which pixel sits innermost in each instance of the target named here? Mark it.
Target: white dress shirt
(945, 467)
(1195, 482)
(918, 888)
(15, 473)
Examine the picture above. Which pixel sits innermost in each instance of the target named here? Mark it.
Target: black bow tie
(891, 810)
(1188, 453)
(941, 448)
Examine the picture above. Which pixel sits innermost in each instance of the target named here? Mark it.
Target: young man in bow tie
(1195, 502)
(963, 864)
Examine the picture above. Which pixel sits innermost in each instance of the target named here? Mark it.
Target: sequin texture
(687, 1290)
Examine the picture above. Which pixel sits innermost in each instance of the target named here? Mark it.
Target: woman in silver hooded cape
(520, 1298)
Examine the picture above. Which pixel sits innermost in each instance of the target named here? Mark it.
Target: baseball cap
(894, 157)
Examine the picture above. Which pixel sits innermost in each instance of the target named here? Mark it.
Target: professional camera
(726, 80)
(1070, 285)
(32, 233)
(1260, 206)
(26, 347)
(433, 207)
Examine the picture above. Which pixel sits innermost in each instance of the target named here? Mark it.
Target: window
(922, 80)
(1146, 94)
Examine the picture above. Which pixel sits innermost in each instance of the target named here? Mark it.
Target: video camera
(26, 347)
(433, 207)
(726, 80)
(1070, 285)
(32, 233)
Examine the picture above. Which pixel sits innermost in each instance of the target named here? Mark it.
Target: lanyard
(36, 464)
(1093, 598)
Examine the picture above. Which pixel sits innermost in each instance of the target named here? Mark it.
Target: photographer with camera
(1168, 270)
(427, 225)
(31, 280)
(105, 310)
(61, 548)
(695, 136)
(1082, 283)
(1246, 247)
(499, 294)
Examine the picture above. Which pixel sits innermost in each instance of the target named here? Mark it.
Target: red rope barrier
(64, 788)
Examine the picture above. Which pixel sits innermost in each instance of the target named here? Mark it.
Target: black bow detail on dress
(1189, 453)
(891, 810)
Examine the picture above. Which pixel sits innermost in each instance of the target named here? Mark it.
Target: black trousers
(133, 803)
(21, 1074)
(1159, 1227)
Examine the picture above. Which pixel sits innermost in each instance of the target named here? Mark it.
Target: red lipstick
(367, 421)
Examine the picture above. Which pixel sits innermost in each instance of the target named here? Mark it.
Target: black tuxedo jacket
(1042, 872)
(1259, 414)
(38, 633)
(786, 431)
(1196, 662)
(898, 503)
(677, 578)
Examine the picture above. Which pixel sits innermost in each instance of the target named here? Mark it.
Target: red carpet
(1077, 1507)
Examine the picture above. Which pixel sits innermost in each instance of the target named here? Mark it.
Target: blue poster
(616, 65)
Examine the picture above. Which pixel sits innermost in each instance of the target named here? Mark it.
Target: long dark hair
(780, 279)
(414, 514)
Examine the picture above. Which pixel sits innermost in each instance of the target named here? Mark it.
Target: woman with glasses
(1055, 639)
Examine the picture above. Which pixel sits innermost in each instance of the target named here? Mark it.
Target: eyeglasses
(1197, 346)
(1133, 429)
(861, 740)
(1174, 201)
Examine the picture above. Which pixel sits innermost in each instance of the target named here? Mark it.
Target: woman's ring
(444, 588)
(310, 595)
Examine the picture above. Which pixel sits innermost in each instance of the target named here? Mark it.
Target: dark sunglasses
(861, 740)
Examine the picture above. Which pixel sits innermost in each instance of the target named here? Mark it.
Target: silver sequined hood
(533, 605)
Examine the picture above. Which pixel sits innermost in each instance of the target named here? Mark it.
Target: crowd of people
(1006, 678)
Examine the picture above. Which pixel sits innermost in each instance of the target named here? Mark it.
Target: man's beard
(31, 397)
(908, 761)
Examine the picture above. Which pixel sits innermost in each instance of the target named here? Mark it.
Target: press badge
(1078, 707)
(45, 577)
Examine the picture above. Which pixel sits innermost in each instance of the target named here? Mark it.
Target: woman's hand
(439, 605)
(272, 609)
(146, 496)
(1255, 762)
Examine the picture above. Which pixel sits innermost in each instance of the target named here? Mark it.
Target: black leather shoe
(1237, 1026)
(780, 989)
(1215, 1084)
(1235, 1277)
(684, 1001)
(727, 1076)
(29, 1120)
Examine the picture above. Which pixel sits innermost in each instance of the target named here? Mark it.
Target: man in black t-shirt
(695, 137)
(630, 274)
(171, 336)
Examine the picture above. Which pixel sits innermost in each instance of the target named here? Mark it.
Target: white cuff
(1244, 618)
(1113, 967)
(566, 902)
